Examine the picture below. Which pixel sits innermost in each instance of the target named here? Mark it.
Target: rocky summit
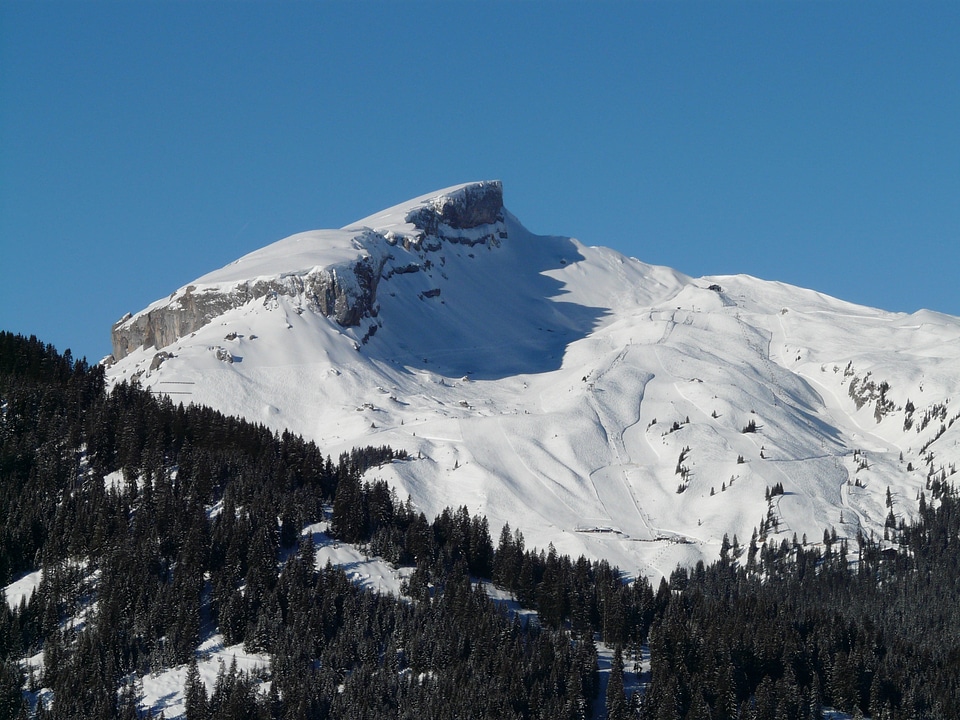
(343, 291)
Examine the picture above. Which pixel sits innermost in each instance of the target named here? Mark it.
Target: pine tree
(349, 516)
(616, 699)
(195, 693)
(11, 682)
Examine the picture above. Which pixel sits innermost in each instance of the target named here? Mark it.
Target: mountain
(610, 407)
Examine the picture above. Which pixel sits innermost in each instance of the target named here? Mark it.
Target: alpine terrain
(612, 408)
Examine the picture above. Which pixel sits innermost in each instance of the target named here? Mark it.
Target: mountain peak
(464, 208)
(336, 271)
(469, 213)
(613, 408)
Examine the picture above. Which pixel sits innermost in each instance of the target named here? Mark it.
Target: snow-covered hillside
(593, 401)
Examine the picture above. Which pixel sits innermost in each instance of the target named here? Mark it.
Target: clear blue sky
(144, 144)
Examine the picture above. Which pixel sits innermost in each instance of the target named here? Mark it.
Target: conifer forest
(157, 525)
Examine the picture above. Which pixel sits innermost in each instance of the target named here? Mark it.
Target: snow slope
(572, 391)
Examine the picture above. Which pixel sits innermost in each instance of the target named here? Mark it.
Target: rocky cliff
(345, 291)
(451, 217)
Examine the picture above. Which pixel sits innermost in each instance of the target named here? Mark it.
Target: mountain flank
(616, 409)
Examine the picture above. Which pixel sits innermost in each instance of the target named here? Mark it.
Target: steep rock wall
(345, 292)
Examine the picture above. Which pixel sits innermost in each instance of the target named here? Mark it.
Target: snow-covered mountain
(613, 408)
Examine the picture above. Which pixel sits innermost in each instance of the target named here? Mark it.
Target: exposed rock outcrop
(473, 206)
(345, 292)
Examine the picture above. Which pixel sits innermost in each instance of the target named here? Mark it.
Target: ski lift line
(176, 382)
(765, 360)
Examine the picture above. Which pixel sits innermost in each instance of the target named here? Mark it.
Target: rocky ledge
(346, 292)
(471, 215)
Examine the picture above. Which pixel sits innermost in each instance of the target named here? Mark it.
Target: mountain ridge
(596, 402)
(337, 271)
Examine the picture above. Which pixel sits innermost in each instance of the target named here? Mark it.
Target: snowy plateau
(613, 408)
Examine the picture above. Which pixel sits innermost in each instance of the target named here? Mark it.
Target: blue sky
(145, 144)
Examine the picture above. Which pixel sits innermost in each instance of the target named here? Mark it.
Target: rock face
(346, 292)
(448, 216)
(163, 325)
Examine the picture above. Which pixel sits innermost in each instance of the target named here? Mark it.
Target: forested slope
(157, 525)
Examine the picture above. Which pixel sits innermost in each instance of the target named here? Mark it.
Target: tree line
(160, 524)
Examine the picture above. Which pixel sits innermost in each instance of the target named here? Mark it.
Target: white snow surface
(22, 589)
(365, 571)
(164, 691)
(537, 381)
